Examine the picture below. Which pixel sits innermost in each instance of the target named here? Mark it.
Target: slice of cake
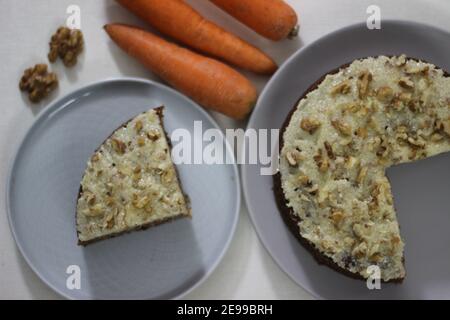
(130, 182)
(334, 150)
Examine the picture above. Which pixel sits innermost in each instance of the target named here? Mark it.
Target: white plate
(421, 190)
(162, 262)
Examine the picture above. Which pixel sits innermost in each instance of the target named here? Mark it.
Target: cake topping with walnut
(368, 116)
(130, 182)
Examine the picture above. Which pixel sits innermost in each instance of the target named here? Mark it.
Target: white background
(247, 271)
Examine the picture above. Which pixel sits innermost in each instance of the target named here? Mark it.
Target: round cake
(335, 147)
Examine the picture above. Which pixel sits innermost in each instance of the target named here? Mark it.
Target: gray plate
(162, 262)
(421, 189)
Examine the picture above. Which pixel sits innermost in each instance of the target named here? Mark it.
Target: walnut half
(293, 157)
(310, 125)
(342, 127)
(38, 82)
(385, 94)
(406, 83)
(341, 88)
(337, 217)
(364, 79)
(119, 146)
(66, 44)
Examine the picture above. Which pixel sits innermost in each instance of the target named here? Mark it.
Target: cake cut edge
(188, 214)
(287, 213)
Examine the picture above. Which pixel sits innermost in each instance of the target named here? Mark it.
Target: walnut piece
(141, 141)
(304, 180)
(360, 250)
(350, 107)
(446, 126)
(364, 79)
(337, 216)
(400, 61)
(416, 142)
(385, 94)
(351, 162)
(167, 176)
(38, 82)
(310, 125)
(140, 202)
(96, 210)
(66, 44)
(322, 164)
(312, 189)
(329, 150)
(405, 97)
(95, 157)
(119, 146)
(361, 132)
(292, 157)
(342, 127)
(138, 126)
(361, 175)
(417, 69)
(436, 137)
(443, 126)
(153, 134)
(90, 199)
(406, 83)
(109, 221)
(395, 240)
(341, 88)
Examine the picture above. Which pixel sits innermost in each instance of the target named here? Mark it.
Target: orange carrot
(207, 81)
(180, 21)
(273, 19)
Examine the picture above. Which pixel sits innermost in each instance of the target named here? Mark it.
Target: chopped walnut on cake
(357, 122)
